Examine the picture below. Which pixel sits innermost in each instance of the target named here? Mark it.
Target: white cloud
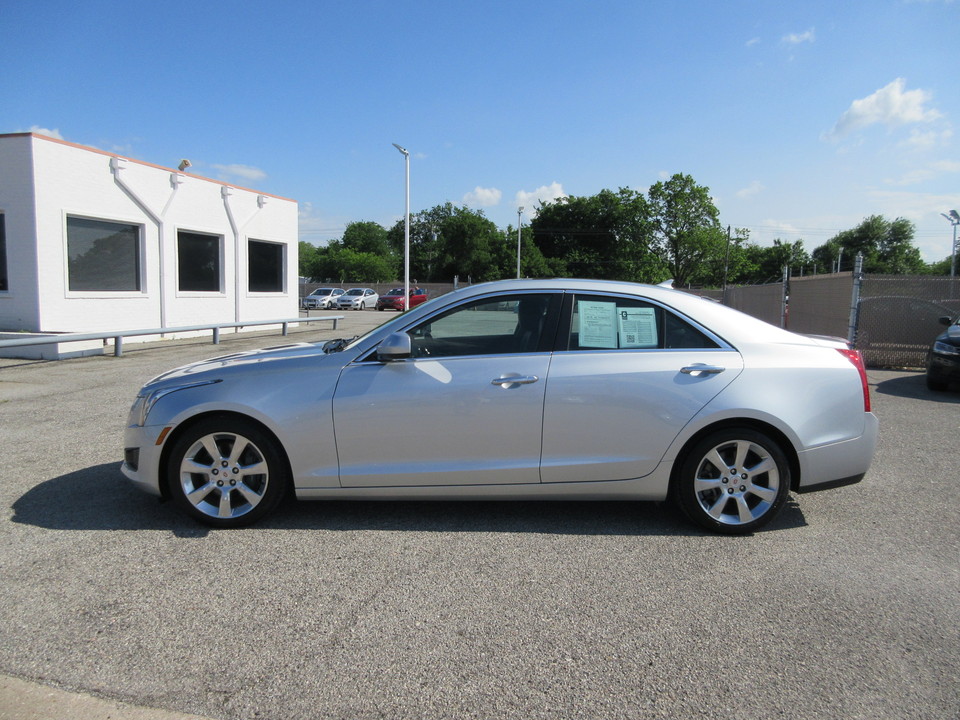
(46, 131)
(891, 106)
(928, 139)
(799, 38)
(482, 197)
(241, 172)
(753, 41)
(754, 188)
(545, 194)
(930, 172)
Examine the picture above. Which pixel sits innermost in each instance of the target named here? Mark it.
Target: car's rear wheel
(733, 481)
(226, 472)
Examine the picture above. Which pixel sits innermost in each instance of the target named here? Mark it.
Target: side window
(504, 325)
(616, 323)
(102, 255)
(4, 286)
(264, 266)
(198, 262)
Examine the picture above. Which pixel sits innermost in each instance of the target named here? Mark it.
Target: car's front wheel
(226, 472)
(733, 481)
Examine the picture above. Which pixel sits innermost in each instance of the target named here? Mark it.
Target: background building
(91, 241)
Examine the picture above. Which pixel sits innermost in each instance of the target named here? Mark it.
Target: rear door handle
(699, 369)
(511, 381)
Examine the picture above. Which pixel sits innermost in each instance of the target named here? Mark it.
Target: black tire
(226, 472)
(717, 495)
(936, 385)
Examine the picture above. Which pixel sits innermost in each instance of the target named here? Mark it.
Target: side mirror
(945, 320)
(395, 347)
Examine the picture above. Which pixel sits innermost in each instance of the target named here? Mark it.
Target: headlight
(145, 402)
(945, 349)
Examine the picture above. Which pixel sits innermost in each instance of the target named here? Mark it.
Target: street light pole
(406, 230)
(954, 219)
(519, 221)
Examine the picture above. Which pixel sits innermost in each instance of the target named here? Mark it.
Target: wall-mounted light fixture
(184, 164)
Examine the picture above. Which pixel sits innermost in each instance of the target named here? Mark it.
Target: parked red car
(394, 299)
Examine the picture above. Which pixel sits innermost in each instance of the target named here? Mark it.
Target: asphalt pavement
(117, 606)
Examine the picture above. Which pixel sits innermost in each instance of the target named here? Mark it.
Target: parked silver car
(322, 298)
(358, 299)
(539, 389)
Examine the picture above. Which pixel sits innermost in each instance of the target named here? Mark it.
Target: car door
(630, 375)
(465, 409)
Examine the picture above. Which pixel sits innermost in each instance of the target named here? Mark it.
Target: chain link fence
(891, 319)
(899, 315)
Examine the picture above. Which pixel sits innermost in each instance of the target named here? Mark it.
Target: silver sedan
(357, 299)
(553, 390)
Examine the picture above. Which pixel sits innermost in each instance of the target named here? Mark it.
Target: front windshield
(398, 291)
(355, 291)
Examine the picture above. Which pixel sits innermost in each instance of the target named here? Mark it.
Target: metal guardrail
(118, 336)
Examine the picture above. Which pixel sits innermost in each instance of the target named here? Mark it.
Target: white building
(91, 241)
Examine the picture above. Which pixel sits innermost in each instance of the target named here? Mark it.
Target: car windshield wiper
(332, 346)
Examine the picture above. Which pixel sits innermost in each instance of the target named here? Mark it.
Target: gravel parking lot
(847, 607)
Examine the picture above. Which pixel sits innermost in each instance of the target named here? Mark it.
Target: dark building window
(264, 266)
(102, 256)
(3, 255)
(198, 262)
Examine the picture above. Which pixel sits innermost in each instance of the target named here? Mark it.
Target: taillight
(856, 358)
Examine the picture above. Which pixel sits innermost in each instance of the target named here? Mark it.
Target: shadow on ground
(915, 386)
(99, 498)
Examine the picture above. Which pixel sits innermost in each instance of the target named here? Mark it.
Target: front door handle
(511, 380)
(699, 369)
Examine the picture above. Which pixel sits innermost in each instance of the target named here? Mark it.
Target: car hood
(249, 361)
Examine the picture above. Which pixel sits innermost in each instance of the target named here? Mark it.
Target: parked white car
(322, 298)
(525, 389)
(358, 299)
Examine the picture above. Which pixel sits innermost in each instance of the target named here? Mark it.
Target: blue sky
(801, 117)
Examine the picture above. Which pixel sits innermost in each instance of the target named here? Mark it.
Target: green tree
(532, 262)
(336, 263)
(366, 236)
(687, 227)
(941, 267)
(307, 259)
(448, 241)
(606, 236)
(737, 264)
(886, 245)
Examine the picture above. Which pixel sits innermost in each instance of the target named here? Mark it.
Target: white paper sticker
(638, 327)
(598, 324)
